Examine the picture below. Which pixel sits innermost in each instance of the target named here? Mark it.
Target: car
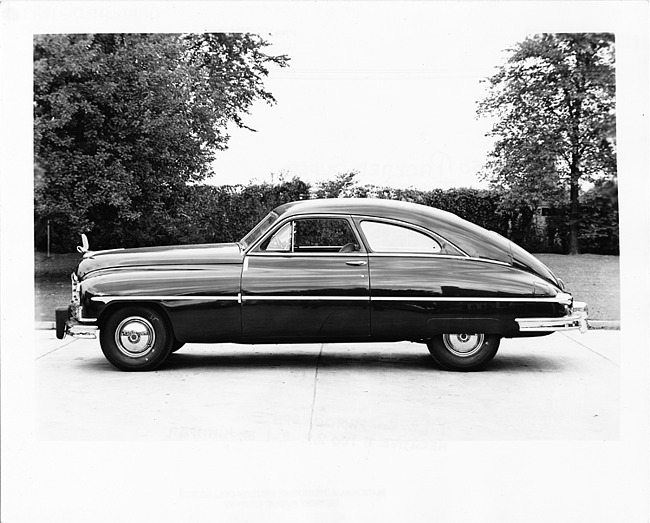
(322, 271)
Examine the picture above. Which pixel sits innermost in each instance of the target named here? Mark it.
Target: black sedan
(338, 270)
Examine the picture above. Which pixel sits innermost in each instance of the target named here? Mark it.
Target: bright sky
(397, 106)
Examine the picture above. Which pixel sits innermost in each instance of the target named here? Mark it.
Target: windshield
(258, 231)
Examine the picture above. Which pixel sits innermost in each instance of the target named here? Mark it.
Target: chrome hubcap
(463, 345)
(135, 337)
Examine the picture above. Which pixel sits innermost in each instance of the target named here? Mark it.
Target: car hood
(147, 257)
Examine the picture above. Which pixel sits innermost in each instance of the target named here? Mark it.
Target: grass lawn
(52, 282)
(589, 277)
(593, 278)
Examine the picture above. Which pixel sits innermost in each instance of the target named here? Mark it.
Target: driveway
(561, 387)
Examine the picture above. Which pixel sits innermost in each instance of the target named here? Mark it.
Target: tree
(124, 123)
(599, 231)
(213, 214)
(554, 105)
(342, 185)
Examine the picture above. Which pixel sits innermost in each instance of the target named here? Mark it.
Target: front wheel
(136, 339)
(463, 352)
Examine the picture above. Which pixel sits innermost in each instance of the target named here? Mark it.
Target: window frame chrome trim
(404, 225)
(352, 218)
(400, 223)
(312, 254)
(282, 222)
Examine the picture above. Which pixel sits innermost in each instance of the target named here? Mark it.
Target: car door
(307, 279)
(422, 285)
(409, 270)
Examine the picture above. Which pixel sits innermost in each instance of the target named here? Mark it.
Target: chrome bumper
(67, 326)
(576, 320)
(82, 331)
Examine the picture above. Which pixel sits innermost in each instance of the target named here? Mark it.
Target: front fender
(202, 304)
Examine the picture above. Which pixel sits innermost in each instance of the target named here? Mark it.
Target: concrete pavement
(564, 386)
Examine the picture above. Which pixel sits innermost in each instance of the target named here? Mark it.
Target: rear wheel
(463, 352)
(136, 339)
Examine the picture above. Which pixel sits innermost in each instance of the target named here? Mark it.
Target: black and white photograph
(325, 261)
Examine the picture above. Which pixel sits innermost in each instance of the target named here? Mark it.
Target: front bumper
(577, 319)
(66, 325)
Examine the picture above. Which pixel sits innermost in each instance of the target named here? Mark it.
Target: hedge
(211, 214)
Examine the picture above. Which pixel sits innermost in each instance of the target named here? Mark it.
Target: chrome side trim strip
(306, 298)
(106, 299)
(472, 299)
(560, 298)
(402, 298)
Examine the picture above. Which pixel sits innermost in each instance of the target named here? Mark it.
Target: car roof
(370, 206)
(472, 239)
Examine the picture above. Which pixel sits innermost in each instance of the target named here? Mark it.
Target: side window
(324, 235)
(281, 241)
(313, 235)
(385, 237)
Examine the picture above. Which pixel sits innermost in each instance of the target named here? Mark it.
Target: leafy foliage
(126, 123)
(599, 232)
(212, 214)
(478, 206)
(342, 185)
(554, 105)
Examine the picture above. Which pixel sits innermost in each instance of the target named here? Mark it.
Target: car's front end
(71, 321)
(178, 280)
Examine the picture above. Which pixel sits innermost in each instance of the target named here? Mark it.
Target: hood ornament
(85, 246)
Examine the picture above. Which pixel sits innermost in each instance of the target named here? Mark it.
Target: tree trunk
(574, 212)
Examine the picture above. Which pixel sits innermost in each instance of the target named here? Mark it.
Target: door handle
(356, 263)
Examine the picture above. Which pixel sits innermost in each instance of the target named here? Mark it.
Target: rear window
(386, 237)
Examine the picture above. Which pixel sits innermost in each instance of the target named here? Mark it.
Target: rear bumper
(68, 326)
(577, 319)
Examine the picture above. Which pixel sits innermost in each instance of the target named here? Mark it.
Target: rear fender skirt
(471, 326)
